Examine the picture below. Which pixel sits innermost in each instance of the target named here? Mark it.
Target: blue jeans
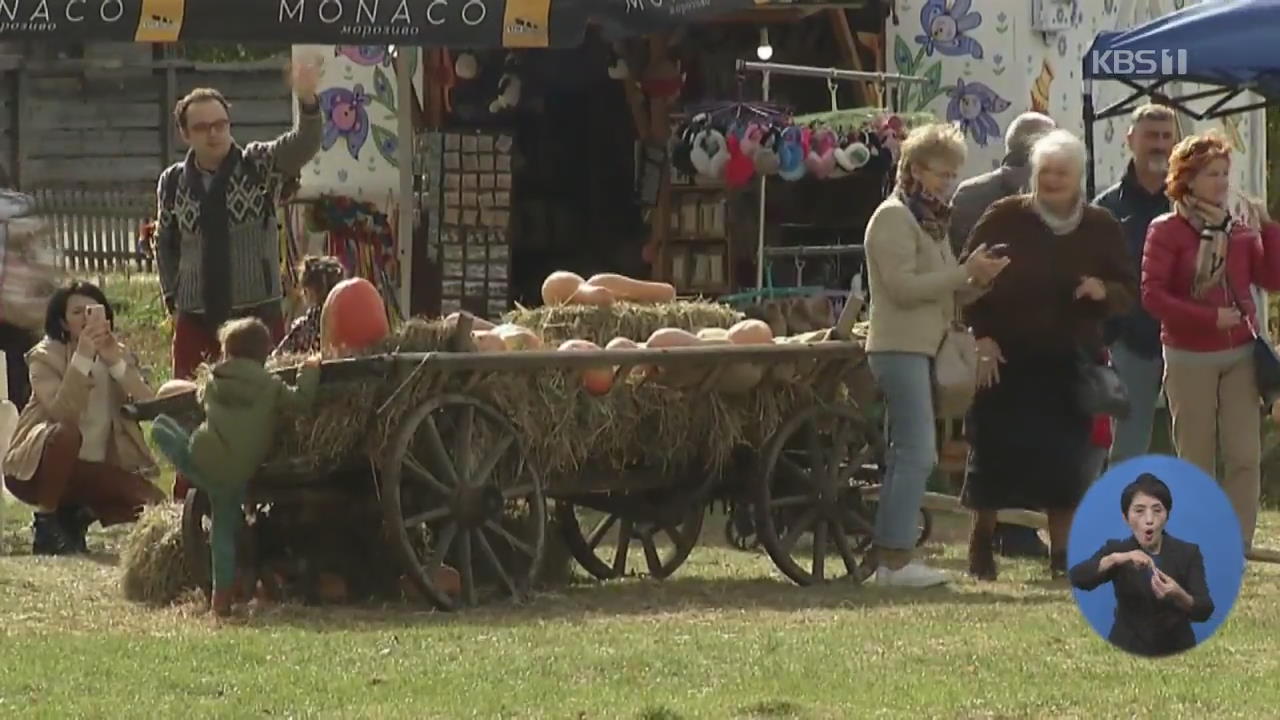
(1142, 378)
(906, 381)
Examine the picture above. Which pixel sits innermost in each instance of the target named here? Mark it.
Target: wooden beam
(169, 95)
(867, 94)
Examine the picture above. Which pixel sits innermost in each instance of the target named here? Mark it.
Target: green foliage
(208, 52)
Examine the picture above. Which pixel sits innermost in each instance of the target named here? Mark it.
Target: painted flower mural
(345, 118)
(945, 24)
(972, 107)
(365, 55)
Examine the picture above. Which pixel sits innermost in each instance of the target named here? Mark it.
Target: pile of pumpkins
(739, 377)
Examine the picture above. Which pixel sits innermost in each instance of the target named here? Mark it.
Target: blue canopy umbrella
(1230, 45)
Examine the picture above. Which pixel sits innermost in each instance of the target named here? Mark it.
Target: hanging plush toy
(855, 154)
(751, 138)
(709, 154)
(740, 168)
(766, 155)
(821, 160)
(508, 86)
(682, 145)
(467, 67)
(791, 154)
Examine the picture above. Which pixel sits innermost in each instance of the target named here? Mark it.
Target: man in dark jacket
(971, 200)
(1134, 338)
(217, 239)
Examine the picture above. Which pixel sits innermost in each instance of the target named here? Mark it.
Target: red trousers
(112, 494)
(195, 342)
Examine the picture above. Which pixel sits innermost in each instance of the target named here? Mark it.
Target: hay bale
(154, 568)
(624, 319)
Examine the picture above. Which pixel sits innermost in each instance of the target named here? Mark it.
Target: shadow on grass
(635, 597)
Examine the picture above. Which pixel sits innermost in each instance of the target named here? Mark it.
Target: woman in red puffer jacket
(1198, 268)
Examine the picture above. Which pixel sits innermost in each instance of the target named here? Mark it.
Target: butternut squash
(625, 288)
(670, 338)
(516, 337)
(175, 387)
(597, 380)
(560, 286)
(622, 343)
(476, 323)
(750, 332)
(487, 341)
(592, 295)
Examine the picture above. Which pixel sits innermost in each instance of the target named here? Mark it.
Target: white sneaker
(911, 575)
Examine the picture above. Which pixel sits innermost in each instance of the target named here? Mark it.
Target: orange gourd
(487, 341)
(518, 338)
(592, 295)
(560, 286)
(353, 317)
(597, 380)
(625, 288)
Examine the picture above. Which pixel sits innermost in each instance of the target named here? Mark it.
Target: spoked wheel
(604, 543)
(924, 526)
(458, 489)
(806, 493)
(197, 521)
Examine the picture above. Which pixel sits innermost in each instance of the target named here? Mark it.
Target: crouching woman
(72, 445)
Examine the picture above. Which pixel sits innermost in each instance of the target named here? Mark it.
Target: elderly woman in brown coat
(72, 446)
(1069, 270)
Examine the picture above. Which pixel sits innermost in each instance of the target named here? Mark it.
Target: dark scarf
(215, 229)
(933, 214)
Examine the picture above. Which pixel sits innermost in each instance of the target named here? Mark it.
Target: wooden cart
(456, 482)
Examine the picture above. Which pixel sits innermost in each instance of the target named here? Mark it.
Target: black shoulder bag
(1266, 364)
(1099, 389)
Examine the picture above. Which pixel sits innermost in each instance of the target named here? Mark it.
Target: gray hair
(1023, 131)
(1060, 145)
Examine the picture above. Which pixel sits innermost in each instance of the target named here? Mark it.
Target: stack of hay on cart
(563, 425)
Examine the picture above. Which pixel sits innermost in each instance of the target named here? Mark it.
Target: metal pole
(405, 66)
(764, 95)
(829, 73)
(1090, 186)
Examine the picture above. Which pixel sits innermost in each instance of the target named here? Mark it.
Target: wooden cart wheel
(196, 518)
(807, 487)
(924, 527)
(457, 487)
(666, 538)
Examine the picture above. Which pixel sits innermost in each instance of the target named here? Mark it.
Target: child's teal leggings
(227, 505)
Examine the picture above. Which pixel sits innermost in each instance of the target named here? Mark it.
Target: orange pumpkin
(353, 318)
(597, 380)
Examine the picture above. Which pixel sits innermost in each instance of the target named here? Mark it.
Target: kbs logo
(1168, 63)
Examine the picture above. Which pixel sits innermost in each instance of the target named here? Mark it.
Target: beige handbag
(955, 373)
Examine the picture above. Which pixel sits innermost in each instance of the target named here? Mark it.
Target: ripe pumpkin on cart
(353, 318)
(597, 380)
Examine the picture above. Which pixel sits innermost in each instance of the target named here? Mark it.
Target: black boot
(1019, 541)
(75, 520)
(48, 537)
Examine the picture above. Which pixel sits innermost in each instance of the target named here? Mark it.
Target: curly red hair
(1191, 155)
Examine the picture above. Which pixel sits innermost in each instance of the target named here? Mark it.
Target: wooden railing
(98, 231)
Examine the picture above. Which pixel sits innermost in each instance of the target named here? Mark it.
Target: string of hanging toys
(362, 237)
(738, 141)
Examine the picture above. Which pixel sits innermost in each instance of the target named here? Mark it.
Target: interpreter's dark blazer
(1144, 624)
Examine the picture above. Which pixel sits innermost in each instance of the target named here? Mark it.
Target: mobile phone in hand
(95, 316)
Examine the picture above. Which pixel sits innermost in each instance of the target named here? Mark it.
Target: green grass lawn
(727, 637)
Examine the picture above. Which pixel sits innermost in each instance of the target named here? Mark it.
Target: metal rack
(891, 84)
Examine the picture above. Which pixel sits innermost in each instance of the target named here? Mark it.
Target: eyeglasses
(205, 128)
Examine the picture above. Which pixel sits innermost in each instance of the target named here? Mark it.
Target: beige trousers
(1219, 406)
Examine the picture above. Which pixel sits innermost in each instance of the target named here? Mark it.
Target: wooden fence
(97, 231)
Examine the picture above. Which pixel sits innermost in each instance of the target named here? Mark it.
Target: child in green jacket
(243, 403)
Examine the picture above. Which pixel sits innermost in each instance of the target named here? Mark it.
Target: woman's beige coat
(915, 283)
